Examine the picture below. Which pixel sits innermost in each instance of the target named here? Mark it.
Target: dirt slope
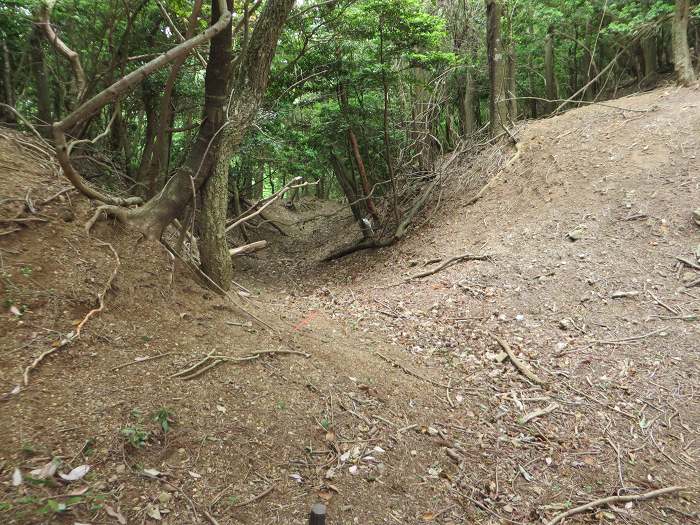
(441, 436)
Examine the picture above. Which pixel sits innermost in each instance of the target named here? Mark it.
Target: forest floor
(397, 405)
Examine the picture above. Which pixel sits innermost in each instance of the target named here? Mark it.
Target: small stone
(164, 498)
(696, 216)
(565, 324)
(687, 277)
(575, 234)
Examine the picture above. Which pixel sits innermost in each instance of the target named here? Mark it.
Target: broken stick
(248, 248)
(522, 367)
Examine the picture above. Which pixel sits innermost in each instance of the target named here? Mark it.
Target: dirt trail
(403, 413)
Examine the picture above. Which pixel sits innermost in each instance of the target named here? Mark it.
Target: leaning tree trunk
(550, 81)
(498, 106)
(683, 64)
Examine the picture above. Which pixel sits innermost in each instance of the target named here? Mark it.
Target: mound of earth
(384, 394)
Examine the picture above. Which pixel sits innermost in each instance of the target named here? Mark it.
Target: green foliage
(379, 54)
(135, 435)
(164, 418)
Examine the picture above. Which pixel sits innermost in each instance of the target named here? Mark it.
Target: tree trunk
(213, 247)
(144, 176)
(41, 82)
(356, 154)
(683, 64)
(498, 106)
(649, 57)
(512, 85)
(465, 105)
(250, 81)
(550, 81)
(347, 184)
(424, 114)
(158, 169)
(7, 84)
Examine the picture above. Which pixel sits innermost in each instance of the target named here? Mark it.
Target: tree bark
(356, 154)
(347, 184)
(649, 57)
(498, 106)
(512, 85)
(465, 105)
(550, 81)
(246, 85)
(7, 84)
(213, 248)
(41, 82)
(682, 62)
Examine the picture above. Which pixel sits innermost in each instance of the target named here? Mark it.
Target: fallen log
(247, 248)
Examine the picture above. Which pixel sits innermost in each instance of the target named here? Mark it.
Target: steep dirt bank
(441, 436)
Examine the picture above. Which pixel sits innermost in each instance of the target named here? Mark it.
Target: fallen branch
(449, 262)
(627, 339)
(255, 498)
(688, 262)
(522, 367)
(56, 195)
(248, 248)
(291, 185)
(614, 499)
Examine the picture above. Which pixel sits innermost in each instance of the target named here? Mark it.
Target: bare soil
(404, 410)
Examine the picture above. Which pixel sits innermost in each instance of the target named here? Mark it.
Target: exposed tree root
(614, 499)
(449, 262)
(72, 336)
(211, 360)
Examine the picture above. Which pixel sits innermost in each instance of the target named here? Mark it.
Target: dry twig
(522, 367)
(143, 360)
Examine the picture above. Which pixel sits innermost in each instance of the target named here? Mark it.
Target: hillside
(393, 403)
